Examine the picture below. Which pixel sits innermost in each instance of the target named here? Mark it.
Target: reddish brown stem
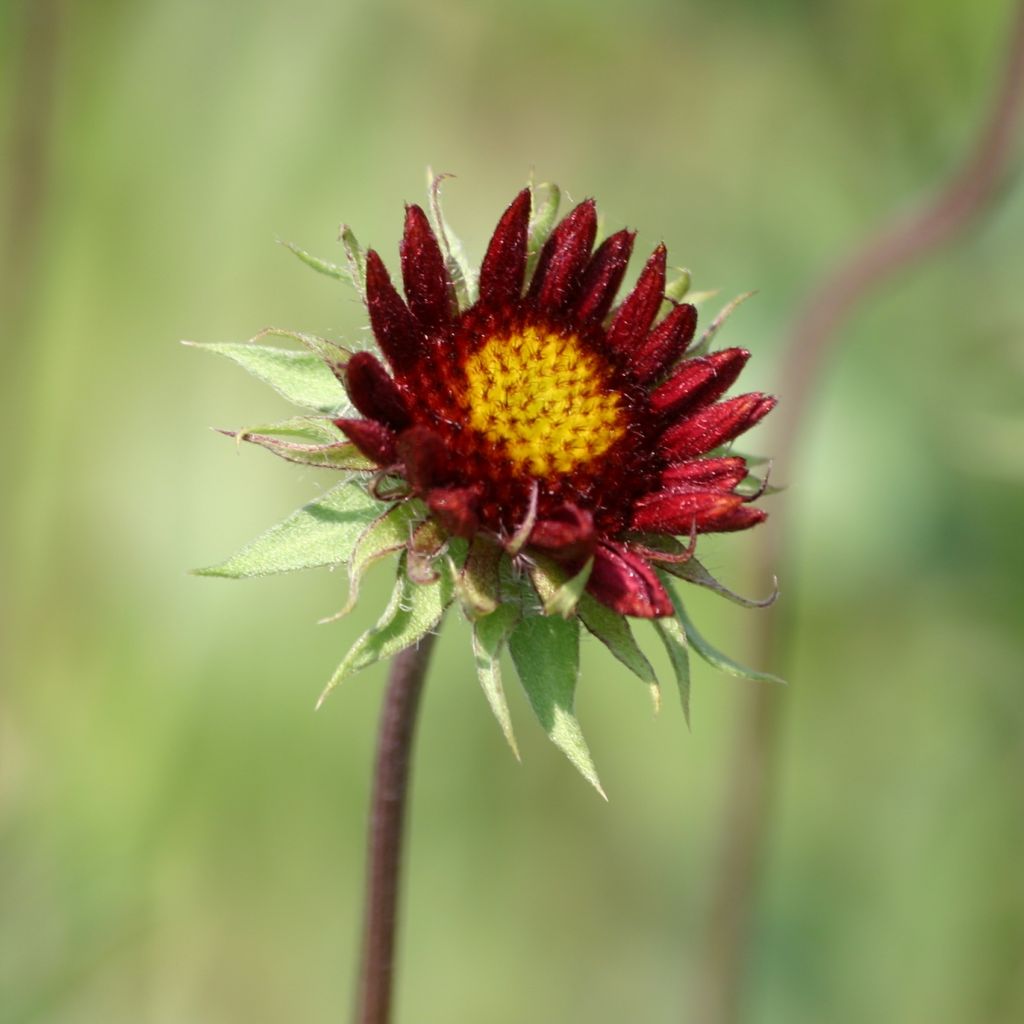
(387, 821)
(816, 333)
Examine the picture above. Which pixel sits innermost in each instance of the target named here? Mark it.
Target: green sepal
(674, 637)
(307, 440)
(546, 198)
(414, 610)
(614, 632)
(698, 298)
(694, 572)
(355, 256)
(559, 593)
(712, 329)
(321, 266)
(546, 653)
(711, 654)
(478, 586)
(324, 532)
(677, 289)
(302, 378)
(388, 532)
(460, 270)
(425, 546)
(490, 633)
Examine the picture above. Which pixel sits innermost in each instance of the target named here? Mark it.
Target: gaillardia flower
(530, 443)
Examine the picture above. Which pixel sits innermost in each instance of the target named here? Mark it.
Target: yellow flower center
(544, 400)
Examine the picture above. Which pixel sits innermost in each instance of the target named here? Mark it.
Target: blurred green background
(181, 837)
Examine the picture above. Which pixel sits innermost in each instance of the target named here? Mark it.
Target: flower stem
(387, 820)
(904, 240)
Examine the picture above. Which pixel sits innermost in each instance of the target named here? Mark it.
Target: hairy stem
(387, 820)
(897, 245)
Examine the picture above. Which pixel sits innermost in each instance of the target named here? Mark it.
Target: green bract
(520, 600)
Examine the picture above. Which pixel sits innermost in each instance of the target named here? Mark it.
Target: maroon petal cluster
(545, 407)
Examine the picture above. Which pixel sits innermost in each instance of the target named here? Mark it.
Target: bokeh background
(181, 837)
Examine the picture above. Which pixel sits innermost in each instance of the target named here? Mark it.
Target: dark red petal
(738, 519)
(567, 532)
(705, 474)
(456, 509)
(679, 511)
(603, 276)
(373, 439)
(665, 344)
(398, 332)
(373, 392)
(714, 425)
(636, 314)
(427, 287)
(504, 266)
(699, 382)
(425, 456)
(563, 259)
(627, 584)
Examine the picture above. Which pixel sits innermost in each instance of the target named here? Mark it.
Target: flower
(546, 417)
(531, 451)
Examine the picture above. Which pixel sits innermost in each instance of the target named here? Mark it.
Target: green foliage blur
(181, 837)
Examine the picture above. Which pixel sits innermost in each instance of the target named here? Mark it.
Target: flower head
(530, 445)
(546, 417)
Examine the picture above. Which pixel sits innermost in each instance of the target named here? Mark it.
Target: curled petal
(626, 583)
(567, 532)
(603, 276)
(397, 331)
(682, 511)
(699, 382)
(373, 439)
(563, 259)
(737, 519)
(636, 314)
(705, 474)
(665, 344)
(427, 287)
(714, 425)
(456, 509)
(504, 267)
(373, 392)
(425, 456)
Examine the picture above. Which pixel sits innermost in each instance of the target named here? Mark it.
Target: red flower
(543, 412)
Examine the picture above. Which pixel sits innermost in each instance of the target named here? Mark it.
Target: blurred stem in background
(897, 245)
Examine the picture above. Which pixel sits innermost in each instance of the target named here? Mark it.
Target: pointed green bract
(388, 532)
(614, 632)
(489, 636)
(460, 270)
(300, 377)
(707, 337)
(546, 199)
(694, 572)
(479, 584)
(414, 610)
(546, 653)
(319, 265)
(563, 600)
(674, 638)
(307, 440)
(355, 256)
(677, 288)
(324, 532)
(711, 654)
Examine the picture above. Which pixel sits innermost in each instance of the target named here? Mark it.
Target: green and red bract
(548, 418)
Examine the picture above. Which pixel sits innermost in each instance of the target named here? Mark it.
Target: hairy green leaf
(300, 377)
(546, 653)
(490, 632)
(414, 610)
(324, 532)
(307, 440)
(694, 572)
(390, 531)
(546, 199)
(674, 638)
(460, 270)
(614, 632)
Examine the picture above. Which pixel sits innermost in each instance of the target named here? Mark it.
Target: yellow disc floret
(543, 400)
